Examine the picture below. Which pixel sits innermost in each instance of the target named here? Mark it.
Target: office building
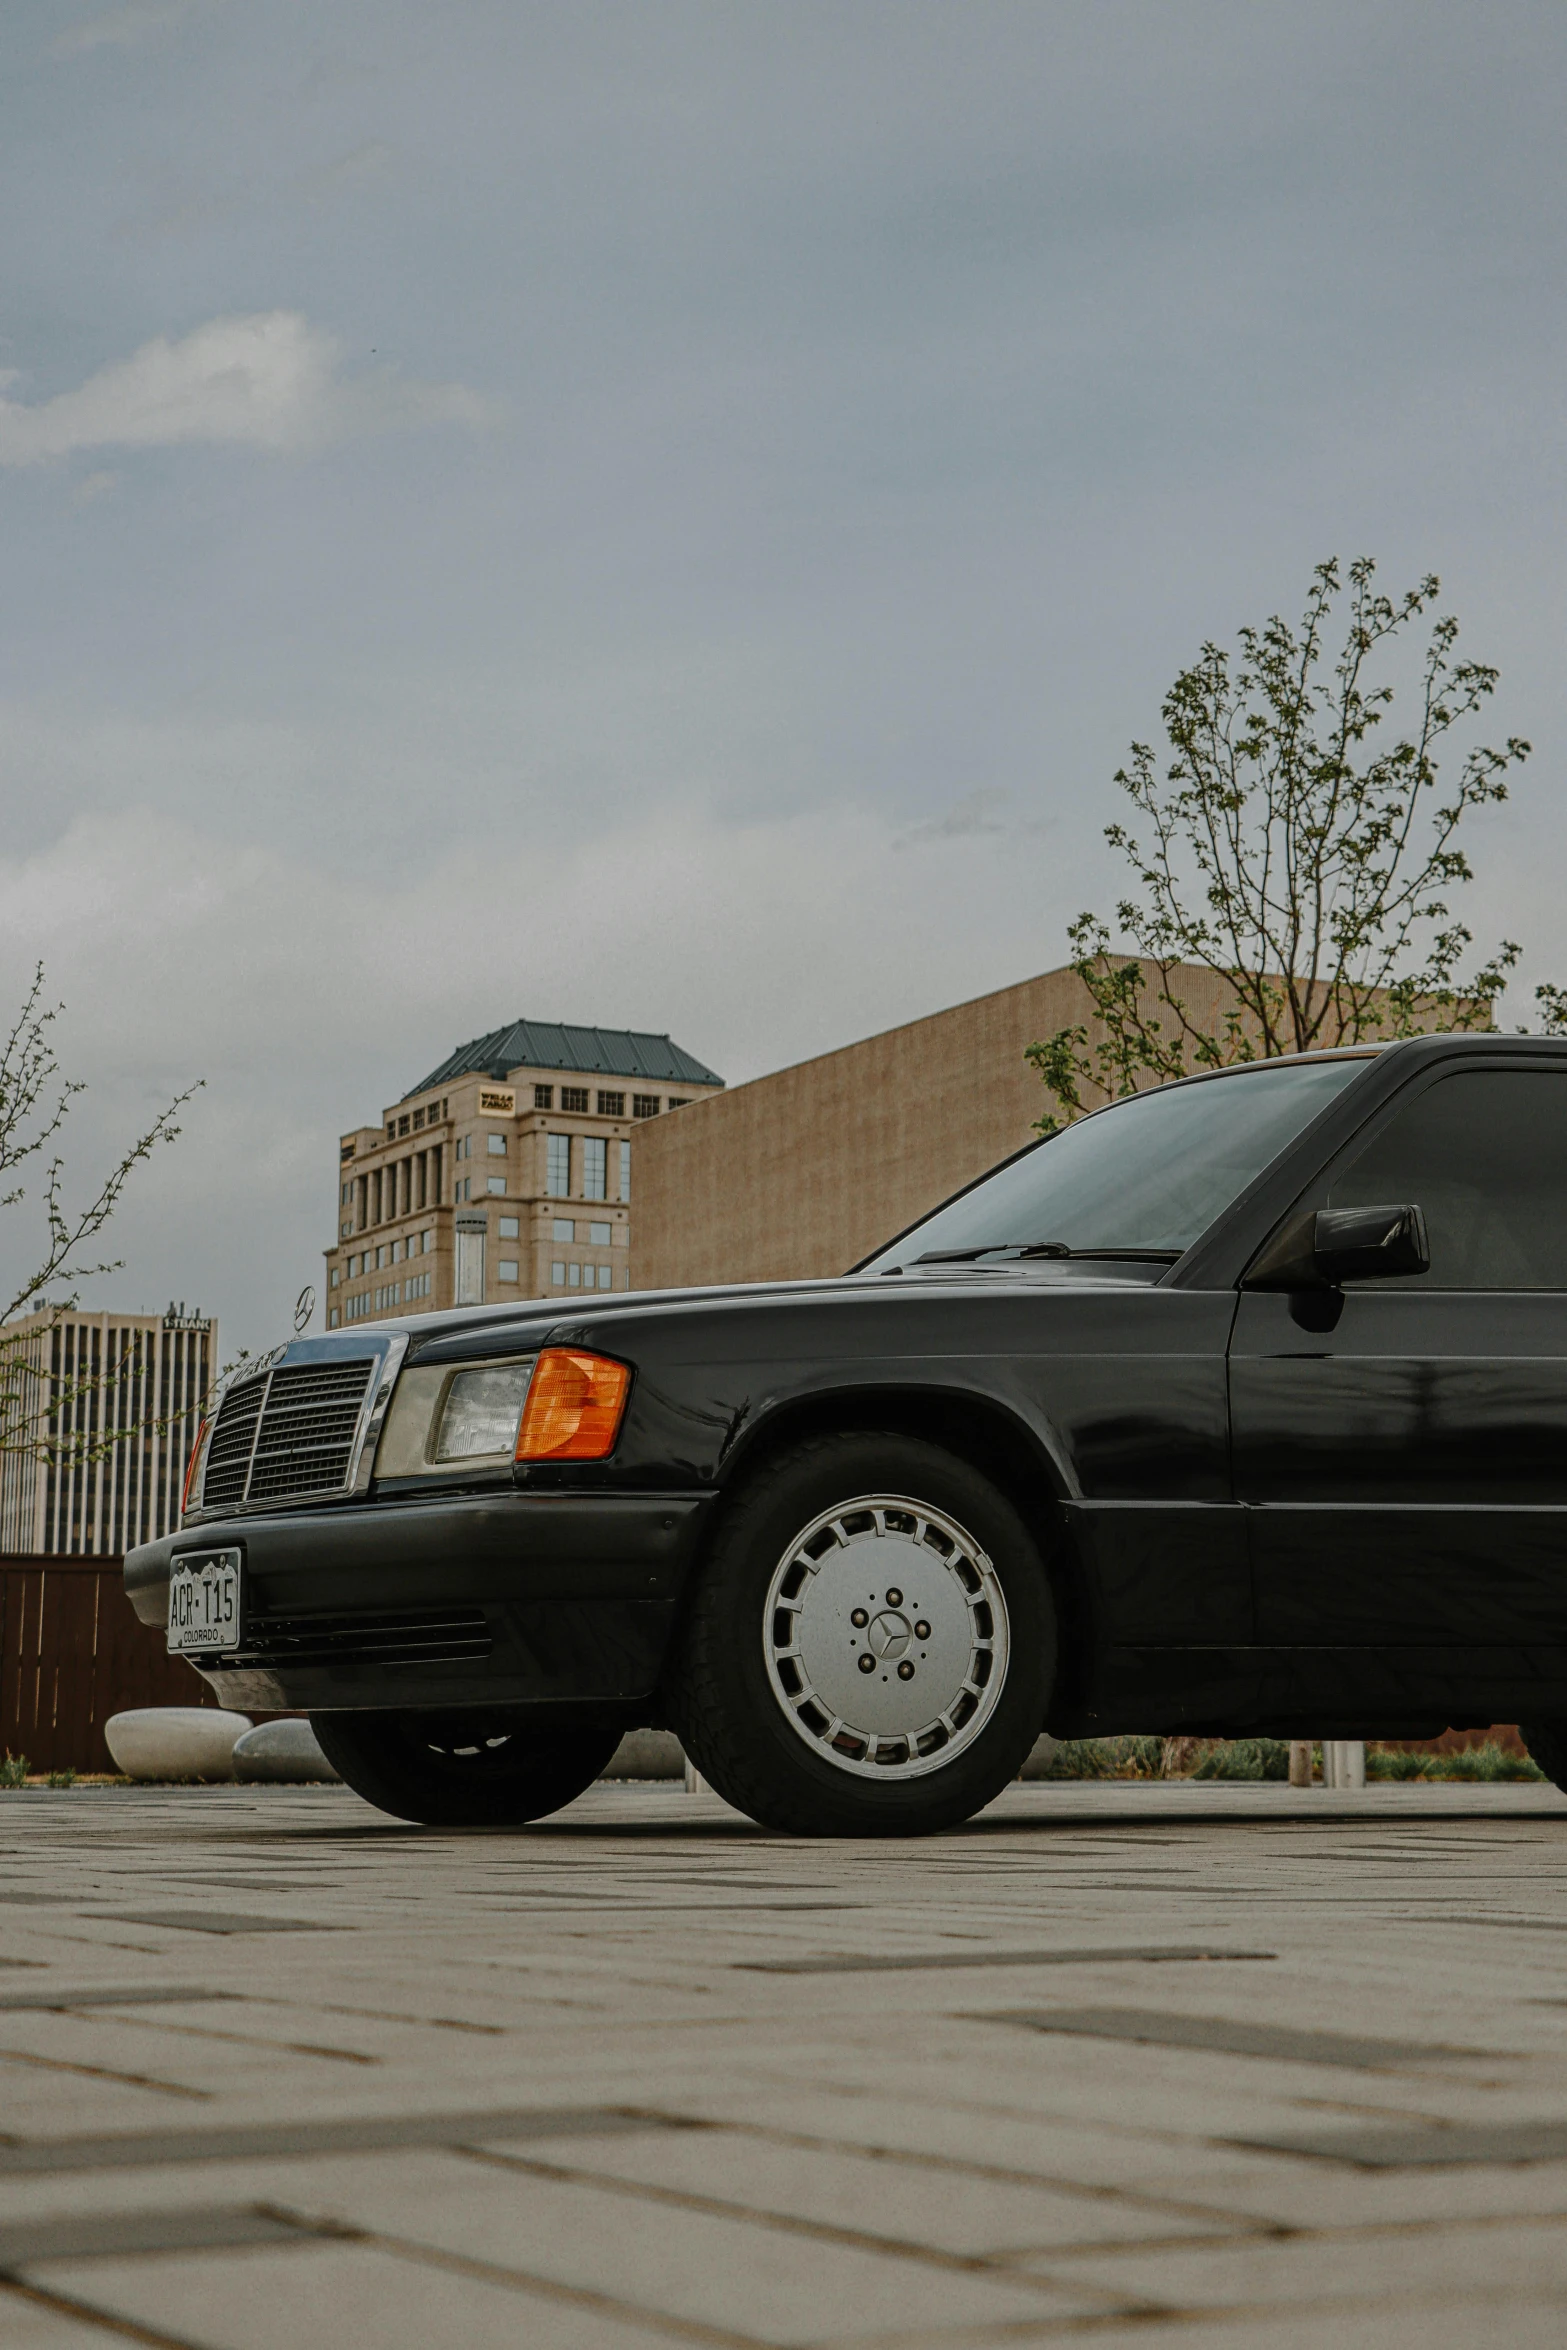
(505, 1173)
(805, 1171)
(115, 1402)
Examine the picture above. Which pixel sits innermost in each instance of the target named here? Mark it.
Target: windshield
(1149, 1174)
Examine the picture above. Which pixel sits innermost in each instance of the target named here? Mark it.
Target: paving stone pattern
(1238, 2066)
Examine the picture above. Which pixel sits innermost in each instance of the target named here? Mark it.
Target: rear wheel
(463, 1770)
(1547, 1743)
(870, 1646)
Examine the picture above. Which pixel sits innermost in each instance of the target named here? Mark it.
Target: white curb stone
(647, 1754)
(174, 1741)
(286, 1751)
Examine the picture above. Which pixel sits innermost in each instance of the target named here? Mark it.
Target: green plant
(1106, 1758)
(13, 1770)
(1484, 1764)
(60, 1421)
(1290, 852)
(62, 1778)
(1245, 1758)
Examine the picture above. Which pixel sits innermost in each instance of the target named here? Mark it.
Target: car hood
(541, 1317)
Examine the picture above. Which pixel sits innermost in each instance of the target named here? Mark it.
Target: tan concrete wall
(806, 1171)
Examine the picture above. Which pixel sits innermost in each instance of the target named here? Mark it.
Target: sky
(672, 516)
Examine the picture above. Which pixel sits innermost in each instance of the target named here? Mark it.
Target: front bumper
(502, 1598)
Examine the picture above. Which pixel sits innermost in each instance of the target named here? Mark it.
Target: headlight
(443, 1417)
(481, 1411)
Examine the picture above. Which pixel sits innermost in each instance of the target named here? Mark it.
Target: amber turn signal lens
(574, 1406)
(190, 1465)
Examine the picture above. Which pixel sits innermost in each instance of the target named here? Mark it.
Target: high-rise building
(506, 1173)
(116, 1400)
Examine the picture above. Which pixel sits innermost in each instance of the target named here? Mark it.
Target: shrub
(13, 1770)
(1245, 1758)
(1483, 1763)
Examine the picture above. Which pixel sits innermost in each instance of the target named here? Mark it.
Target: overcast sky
(670, 515)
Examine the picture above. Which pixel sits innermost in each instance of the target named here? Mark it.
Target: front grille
(422, 1636)
(286, 1434)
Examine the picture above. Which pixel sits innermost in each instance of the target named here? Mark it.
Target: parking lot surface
(1236, 2065)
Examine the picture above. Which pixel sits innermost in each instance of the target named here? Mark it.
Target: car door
(1402, 1448)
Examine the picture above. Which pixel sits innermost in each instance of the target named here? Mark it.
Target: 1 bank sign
(499, 1100)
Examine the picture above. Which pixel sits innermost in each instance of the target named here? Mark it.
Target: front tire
(463, 1770)
(870, 1645)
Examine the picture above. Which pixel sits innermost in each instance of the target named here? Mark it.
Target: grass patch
(13, 1770)
(1170, 1758)
(1269, 1758)
(1484, 1764)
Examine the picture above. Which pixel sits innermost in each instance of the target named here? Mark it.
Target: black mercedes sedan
(1238, 1406)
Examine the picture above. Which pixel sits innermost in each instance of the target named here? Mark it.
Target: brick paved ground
(1218, 2065)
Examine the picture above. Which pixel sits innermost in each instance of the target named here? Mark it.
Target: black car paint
(1241, 1528)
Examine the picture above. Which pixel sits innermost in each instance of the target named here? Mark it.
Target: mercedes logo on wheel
(889, 1635)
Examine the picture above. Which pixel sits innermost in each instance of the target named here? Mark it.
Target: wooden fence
(73, 1652)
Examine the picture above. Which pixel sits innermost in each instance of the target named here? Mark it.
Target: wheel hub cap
(886, 1637)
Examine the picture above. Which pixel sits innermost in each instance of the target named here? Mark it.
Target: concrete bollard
(1343, 1762)
(1300, 1762)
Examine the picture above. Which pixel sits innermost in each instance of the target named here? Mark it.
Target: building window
(348, 1226)
(625, 1171)
(557, 1177)
(506, 1269)
(332, 1319)
(337, 1275)
(507, 1228)
(563, 1229)
(612, 1105)
(558, 1276)
(595, 1156)
(644, 1105)
(418, 1120)
(606, 1277)
(573, 1276)
(397, 1252)
(380, 1259)
(346, 1195)
(677, 1101)
(402, 1125)
(464, 1148)
(495, 1144)
(573, 1097)
(391, 1129)
(544, 1097)
(601, 1234)
(495, 1185)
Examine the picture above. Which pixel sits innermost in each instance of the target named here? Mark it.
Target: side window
(1484, 1154)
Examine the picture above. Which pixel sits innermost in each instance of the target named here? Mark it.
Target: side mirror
(1333, 1245)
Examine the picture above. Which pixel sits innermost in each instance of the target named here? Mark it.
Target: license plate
(204, 1603)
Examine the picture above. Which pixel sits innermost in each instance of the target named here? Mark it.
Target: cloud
(268, 381)
(978, 813)
(123, 28)
(180, 954)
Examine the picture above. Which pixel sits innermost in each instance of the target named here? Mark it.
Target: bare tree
(1294, 853)
(41, 1414)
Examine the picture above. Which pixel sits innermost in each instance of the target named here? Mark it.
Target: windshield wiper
(993, 1248)
(1042, 1248)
